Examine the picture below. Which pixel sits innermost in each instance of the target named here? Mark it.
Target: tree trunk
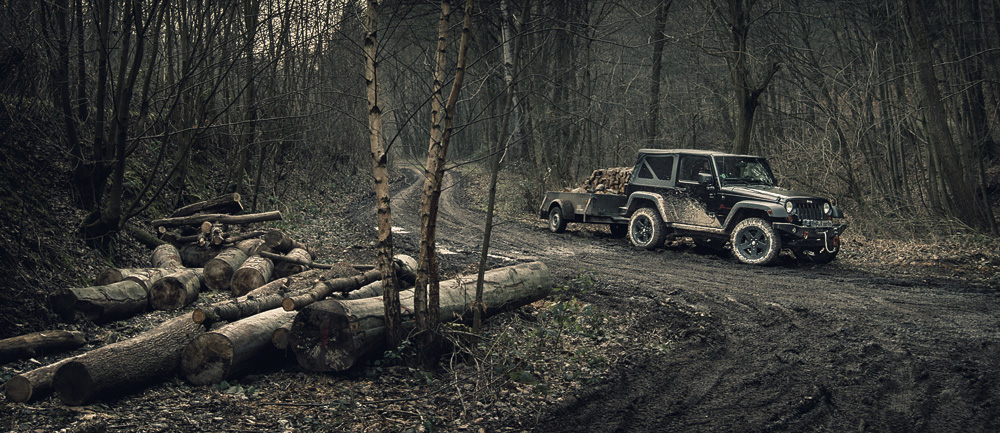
(659, 40)
(255, 272)
(195, 220)
(34, 384)
(332, 335)
(125, 365)
(227, 204)
(323, 289)
(166, 256)
(278, 241)
(176, 290)
(100, 303)
(145, 277)
(263, 298)
(196, 256)
(219, 271)
(252, 247)
(219, 355)
(39, 342)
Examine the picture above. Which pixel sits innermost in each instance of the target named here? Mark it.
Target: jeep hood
(765, 192)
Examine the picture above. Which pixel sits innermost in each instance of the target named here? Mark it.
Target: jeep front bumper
(811, 234)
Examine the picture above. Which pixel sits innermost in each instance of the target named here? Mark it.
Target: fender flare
(568, 213)
(773, 210)
(639, 196)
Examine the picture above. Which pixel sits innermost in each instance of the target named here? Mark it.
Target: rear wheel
(755, 242)
(557, 224)
(646, 229)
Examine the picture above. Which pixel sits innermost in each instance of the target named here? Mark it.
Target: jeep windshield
(744, 170)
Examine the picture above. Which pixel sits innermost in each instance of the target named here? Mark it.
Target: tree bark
(145, 277)
(323, 289)
(263, 298)
(121, 366)
(227, 204)
(176, 290)
(252, 247)
(332, 335)
(255, 272)
(166, 256)
(39, 342)
(277, 240)
(194, 220)
(100, 303)
(196, 256)
(219, 355)
(219, 271)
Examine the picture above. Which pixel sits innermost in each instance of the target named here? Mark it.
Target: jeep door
(698, 198)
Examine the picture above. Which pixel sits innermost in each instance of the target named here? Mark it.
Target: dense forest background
(133, 107)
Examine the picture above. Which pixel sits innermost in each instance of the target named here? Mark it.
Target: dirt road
(789, 347)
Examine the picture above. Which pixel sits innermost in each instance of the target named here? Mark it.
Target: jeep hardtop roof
(689, 152)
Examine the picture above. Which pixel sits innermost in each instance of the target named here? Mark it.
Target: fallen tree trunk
(283, 258)
(194, 220)
(176, 290)
(278, 241)
(252, 247)
(145, 277)
(298, 262)
(125, 365)
(263, 298)
(166, 256)
(226, 204)
(332, 335)
(219, 271)
(33, 385)
(27, 345)
(253, 273)
(100, 303)
(219, 355)
(405, 265)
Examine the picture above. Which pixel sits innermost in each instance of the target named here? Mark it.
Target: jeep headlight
(789, 206)
(827, 208)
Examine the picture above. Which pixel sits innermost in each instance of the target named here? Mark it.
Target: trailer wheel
(557, 224)
(646, 229)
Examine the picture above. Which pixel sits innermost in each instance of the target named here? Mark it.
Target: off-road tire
(557, 224)
(755, 242)
(646, 229)
(619, 230)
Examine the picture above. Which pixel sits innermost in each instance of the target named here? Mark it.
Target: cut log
(226, 204)
(332, 335)
(298, 261)
(232, 239)
(253, 273)
(146, 277)
(176, 290)
(219, 271)
(143, 237)
(100, 303)
(279, 338)
(283, 258)
(194, 220)
(323, 289)
(125, 365)
(277, 240)
(166, 256)
(196, 256)
(263, 298)
(252, 247)
(221, 354)
(33, 385)
(28, 345)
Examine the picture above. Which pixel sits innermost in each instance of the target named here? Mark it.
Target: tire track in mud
(783, 348)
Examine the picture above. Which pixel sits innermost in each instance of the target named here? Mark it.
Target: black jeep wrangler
(714, 198)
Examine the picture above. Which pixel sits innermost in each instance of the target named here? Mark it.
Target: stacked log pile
(608, 180)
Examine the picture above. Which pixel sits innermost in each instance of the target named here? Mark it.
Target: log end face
(18, 389)
(208, 359)
(73, 383)
(167, 294)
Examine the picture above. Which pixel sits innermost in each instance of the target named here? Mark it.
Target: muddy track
(788, 347)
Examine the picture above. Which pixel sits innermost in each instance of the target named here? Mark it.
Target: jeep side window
(691, 166)
(644, 172)
(663, 166)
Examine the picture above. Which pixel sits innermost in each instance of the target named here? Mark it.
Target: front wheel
(755, 242)
(557, 224)
(646, 229)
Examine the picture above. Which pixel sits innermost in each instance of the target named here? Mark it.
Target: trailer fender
(565, 205)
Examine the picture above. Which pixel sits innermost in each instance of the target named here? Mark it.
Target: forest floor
(891, 336)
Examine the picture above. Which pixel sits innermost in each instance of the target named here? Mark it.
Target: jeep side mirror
(705, 179)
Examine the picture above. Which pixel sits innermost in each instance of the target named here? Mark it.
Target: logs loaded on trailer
(608, 180)
(332, 335)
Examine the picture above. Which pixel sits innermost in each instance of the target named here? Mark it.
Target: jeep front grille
(809, 211)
